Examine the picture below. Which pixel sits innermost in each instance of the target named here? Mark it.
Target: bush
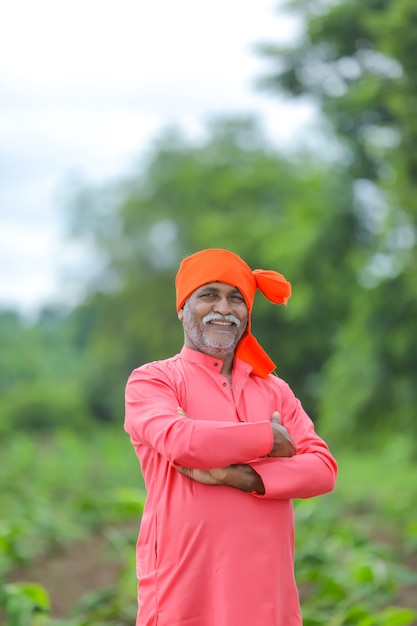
(42, 406)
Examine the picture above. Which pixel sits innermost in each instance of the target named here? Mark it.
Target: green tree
(231, 190)
(356, 60)
(40, 374)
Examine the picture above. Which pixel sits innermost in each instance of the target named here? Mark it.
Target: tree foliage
(356, 60)
(230, 190)
(40, 374)
(338, 221)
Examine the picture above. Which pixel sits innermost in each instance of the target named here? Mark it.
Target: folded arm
(152, 419)
(310, 472)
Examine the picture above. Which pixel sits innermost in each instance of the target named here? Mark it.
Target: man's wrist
(257, 483)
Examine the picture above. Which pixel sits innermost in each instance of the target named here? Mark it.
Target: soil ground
(67, 575)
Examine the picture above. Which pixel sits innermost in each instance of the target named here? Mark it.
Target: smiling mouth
(220, 323)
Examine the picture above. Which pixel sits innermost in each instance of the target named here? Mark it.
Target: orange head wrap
(217, 265)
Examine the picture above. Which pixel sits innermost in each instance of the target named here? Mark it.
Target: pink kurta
(215, 555)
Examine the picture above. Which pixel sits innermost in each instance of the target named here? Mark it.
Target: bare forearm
(240, 476)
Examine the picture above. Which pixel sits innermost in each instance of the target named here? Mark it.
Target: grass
(379, 489)
(60, 488)
(352, 545)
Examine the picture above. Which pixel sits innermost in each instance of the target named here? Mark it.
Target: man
(224, 447)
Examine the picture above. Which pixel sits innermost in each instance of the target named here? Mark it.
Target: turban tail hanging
(217, 265)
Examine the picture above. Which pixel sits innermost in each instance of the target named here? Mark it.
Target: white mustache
(211, 317)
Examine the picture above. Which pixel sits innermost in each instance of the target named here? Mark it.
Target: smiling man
(214, 318)
(224, 448)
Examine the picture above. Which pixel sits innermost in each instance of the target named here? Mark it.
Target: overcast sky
(84, 87)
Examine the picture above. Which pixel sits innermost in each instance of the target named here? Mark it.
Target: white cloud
(26, 264)
(86, 85)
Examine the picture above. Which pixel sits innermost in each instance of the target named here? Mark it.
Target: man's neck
(227, 366)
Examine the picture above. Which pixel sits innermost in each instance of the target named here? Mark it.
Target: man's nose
(222, 306)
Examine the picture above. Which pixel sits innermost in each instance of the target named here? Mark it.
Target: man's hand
(283, 444)
(240, 476)
(243, 476)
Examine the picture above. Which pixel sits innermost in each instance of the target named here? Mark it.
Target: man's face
(214, 318)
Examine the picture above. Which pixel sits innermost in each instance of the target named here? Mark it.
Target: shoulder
(277, 385)
(155, 378)
(152, 369)
(275, 381)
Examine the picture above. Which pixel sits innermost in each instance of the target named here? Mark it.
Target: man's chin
(220, 351)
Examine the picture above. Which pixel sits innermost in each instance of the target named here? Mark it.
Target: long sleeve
(152, 420)
(311, 472)
(302, 476)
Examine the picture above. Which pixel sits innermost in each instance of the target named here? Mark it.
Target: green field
(70, 513)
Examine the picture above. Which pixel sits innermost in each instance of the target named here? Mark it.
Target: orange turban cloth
(217, 265)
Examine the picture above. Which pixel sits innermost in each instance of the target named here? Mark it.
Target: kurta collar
(194, 356)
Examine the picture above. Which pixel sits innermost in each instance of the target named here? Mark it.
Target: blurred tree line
(339, 221)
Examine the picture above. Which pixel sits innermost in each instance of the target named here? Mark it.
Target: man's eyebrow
(206, 288)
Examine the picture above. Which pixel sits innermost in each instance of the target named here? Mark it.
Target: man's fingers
(219, 473)
(185, 471)
(276, 417)
(283, 443)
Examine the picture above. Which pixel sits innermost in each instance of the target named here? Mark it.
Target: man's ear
(181, 314)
